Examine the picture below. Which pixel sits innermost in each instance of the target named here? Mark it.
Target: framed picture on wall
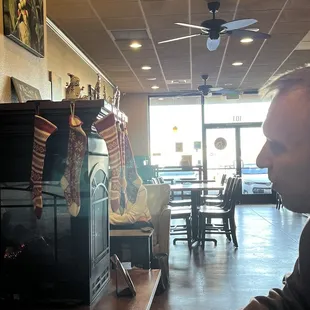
(24, 24)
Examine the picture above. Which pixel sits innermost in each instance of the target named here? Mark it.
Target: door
(221, 152)
(232, 149)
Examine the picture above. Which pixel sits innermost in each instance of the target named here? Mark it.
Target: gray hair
(298, 78)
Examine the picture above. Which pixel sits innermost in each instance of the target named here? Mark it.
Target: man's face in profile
(286, 152)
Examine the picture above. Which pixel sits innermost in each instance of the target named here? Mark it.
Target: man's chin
(296, 204)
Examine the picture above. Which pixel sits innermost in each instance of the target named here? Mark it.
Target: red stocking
(106, 128)
(70, 182)
(42, 130)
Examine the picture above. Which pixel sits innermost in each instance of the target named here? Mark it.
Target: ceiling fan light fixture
(237, 63)
(146, 68)
(135, 45)
(212, 45)
(246, 40)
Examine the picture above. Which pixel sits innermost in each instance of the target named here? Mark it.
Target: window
(175, 130)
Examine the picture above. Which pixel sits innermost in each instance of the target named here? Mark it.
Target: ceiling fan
(214, 28)
(209, 90)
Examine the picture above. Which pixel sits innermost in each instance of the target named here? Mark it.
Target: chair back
(161, 180)
(223, 179)
(228, 190)
(155, 181)
(231, 204)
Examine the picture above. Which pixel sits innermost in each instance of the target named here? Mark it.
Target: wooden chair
(220, 202)
(155, 181)
(279, 202)
(161, 180)
(226, 213)
(220, 193)
(184, 213)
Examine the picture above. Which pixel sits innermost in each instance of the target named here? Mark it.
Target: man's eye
(276, 148)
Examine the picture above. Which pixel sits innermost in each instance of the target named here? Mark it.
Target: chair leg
(199, 229)
(226, 227)
(189, 232)
(233, 231)
(202, 231)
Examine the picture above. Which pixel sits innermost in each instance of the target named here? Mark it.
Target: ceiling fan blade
(240, 33)
(192, 26)
(239, 23)
(180, 38)
(212, 45)
(228, 92)
(216, 89)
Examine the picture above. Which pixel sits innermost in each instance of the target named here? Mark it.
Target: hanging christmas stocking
(70, 182)
(42, 130)
(136, 208)
(123, 183)
(133, 179)
(107, 129)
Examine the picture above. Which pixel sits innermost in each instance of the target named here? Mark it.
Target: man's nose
(263, 160)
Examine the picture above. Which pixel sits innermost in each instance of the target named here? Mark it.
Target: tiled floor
(222, 278)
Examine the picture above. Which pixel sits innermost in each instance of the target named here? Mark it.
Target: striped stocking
(70, 182)
(107, 129)
(42, 131)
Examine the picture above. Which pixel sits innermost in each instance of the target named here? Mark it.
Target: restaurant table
(195, 189)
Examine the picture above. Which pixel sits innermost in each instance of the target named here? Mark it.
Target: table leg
(195, 197)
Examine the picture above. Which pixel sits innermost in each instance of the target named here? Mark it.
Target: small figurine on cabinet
(73, 89)
(104, 93)
(116, 97)
(98, 87)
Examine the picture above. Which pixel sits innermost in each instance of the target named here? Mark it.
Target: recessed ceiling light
(155, 87)
(246, 40)
(135, 45)
(237, 63)
(151, 79)
(146, 68)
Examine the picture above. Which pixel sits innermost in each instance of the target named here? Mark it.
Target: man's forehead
(288, 116)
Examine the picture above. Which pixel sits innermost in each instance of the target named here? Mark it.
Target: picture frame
(122, 276)
(23, 22)
(179, 147)
(24, 91)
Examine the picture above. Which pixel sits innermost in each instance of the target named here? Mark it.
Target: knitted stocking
(133, 179)
(121, 140)
(107, 129)
(70, 182)
(42, 130)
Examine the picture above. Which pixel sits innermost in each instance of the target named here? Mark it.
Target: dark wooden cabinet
(74, 261)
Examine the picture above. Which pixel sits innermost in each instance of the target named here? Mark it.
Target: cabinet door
(99, 212)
